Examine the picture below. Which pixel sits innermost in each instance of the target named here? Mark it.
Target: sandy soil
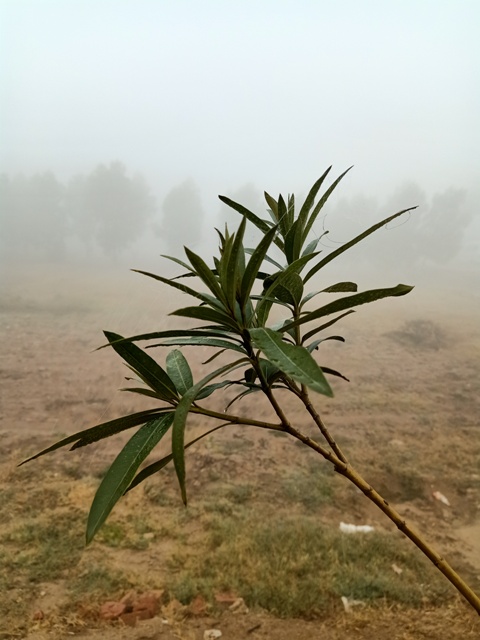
(409, 419)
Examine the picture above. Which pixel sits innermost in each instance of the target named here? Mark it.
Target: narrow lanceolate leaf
(181, 413)
(341, 287)
(263, 307)
(141, 391)
(255, 262)
(201, 332)
(294, 361)
(155, 467)
(179, 371)
(273, 204)
(311, 246)
(310, 199)
(282, 216)
(123, 470)
(324, 326)
(258, 222)
(331, 256)
(210, 315)
(149, 370)
(314, 345)
(205, 274)
(350, 301)
(206, 342)
(293, 242)
(181, 287)
(101, 431)
(235, 267)
(321, 203)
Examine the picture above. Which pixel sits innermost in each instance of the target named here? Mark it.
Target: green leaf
(311, 246)
(236, 265)
(146, 366)
(320, 204)
(179, 371)
(142, 391)
(258, 222)
(194, 341)
(331, 256)
(314, 345)
(350, 301)
(273, 204)
(292, 360)
(255, 262)
(310, 199)
(201, 332)
(332, 372)
(263, 307)
(101, 431)
(210, 388)
(123, 470)
(205, 274)
(341, 287)
(282, 216)
(155, 467)
(210, 315)
(290, 290)
(212, 301)
(293, 242)
(181, 413)
(324, 326)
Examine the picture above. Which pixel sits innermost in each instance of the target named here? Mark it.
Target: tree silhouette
(183, 216)
(109, 208)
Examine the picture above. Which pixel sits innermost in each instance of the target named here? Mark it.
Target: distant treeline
(106, 209)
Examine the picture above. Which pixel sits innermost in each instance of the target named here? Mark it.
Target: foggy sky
(230, 92)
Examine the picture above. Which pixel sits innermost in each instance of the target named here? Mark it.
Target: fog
(123, 120)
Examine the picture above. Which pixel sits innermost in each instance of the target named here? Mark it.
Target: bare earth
(408, 419)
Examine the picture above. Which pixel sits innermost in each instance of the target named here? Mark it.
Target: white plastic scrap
(355, 528)
(441, 498)
(212, 634)
(348, 604)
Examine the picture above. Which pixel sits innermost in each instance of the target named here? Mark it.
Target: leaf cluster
(234, 296)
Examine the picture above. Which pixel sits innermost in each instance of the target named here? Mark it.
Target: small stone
(212, 634)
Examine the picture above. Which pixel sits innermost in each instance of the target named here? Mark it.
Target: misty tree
(32, 217)
(445, 226)
(436, 233)
(183, 216)
(108, 208)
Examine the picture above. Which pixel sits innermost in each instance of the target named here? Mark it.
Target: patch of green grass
(112, 534)
(44, 550)
(99, 580)
(295, 567)
(311, 488)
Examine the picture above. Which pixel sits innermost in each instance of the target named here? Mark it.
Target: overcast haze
(229, 93)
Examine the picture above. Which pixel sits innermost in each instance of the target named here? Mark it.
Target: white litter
(355, 528)
(212, 634)
(348, 604)
(397, 569)
(441, 498)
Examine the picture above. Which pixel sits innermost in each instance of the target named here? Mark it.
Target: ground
(260, 505)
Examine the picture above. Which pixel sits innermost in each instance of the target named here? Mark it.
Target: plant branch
(305, 398)
(351, 474)
(236, 419)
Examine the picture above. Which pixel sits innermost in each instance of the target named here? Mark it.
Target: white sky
(229, 92)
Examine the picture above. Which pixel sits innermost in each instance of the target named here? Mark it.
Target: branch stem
(351, 474)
